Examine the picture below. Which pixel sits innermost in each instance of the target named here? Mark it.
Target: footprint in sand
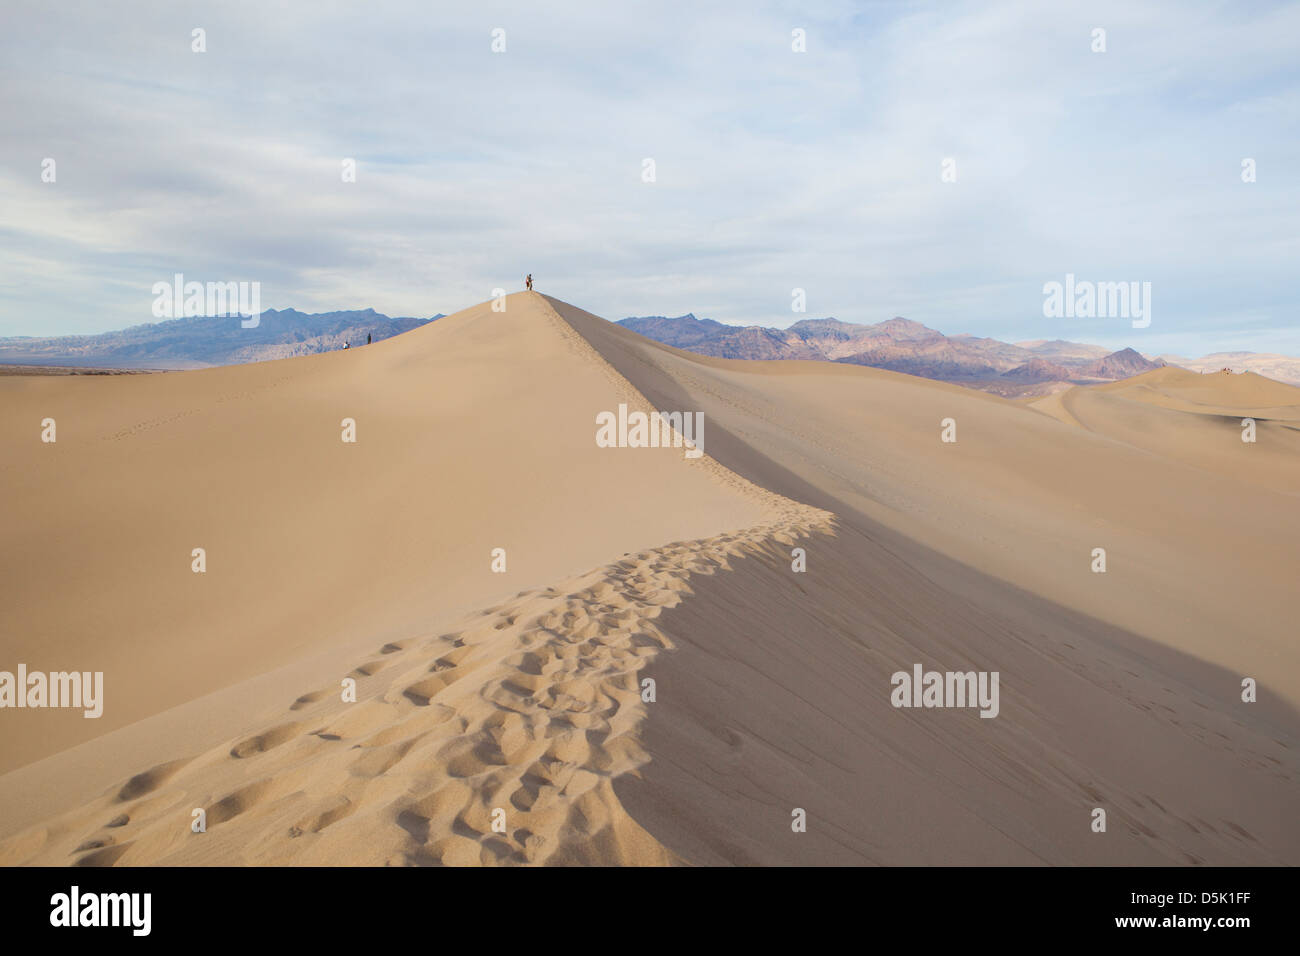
(267, 740)
(97, 844)
(149, 780)
(422, 692)
(369, 669)
(335, 810)
(105, 857)
(307, 700)
(419, 818)
(239, 802)
(451, 659)
(379, 760)
(531, 662)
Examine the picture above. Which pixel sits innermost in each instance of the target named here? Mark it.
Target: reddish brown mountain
(1122, 364)
(902, 345)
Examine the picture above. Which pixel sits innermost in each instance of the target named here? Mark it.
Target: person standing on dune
(529, 282)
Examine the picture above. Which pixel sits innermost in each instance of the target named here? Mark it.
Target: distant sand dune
(1196, 419)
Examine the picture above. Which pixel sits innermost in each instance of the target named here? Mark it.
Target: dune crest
(473, 433)
(522, 716)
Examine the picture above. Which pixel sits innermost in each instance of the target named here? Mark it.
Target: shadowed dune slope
(1120, 690)
(1196, 560)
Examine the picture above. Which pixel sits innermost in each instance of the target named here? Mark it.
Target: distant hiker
(345, 346)
(367, 338)
(529, 282)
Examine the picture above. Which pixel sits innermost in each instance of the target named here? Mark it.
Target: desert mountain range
(202, 341)
(901, 345)
(1022, 369)
(828, 538)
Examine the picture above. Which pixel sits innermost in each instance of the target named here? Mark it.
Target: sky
(774, 170)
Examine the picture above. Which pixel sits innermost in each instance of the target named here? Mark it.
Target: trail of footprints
(531, 708)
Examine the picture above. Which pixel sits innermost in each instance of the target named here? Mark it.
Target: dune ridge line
(531, 707)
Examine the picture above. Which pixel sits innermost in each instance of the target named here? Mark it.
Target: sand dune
(521, 692)
(310, 542)
(531, 706)
(1196, 419)
(974, 554)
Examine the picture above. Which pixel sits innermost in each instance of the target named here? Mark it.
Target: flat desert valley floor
(499, 717)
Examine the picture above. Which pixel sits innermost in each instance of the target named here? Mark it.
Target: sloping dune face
(687, 661)
(1212, 391)
(1121, 690)
(474, 433)
(1201, 420)
(329, 699)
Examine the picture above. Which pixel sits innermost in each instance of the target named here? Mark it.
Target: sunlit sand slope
(474, 433)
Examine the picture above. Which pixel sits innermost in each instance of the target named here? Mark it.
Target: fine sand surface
(472, 434)
(1195, 418)
(521, 692)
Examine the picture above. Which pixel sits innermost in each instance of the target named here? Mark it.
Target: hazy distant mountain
(208, 340)
(686, 329)
(902, 345)
(1065, 353)
(1036, 371)
(1122, 364)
